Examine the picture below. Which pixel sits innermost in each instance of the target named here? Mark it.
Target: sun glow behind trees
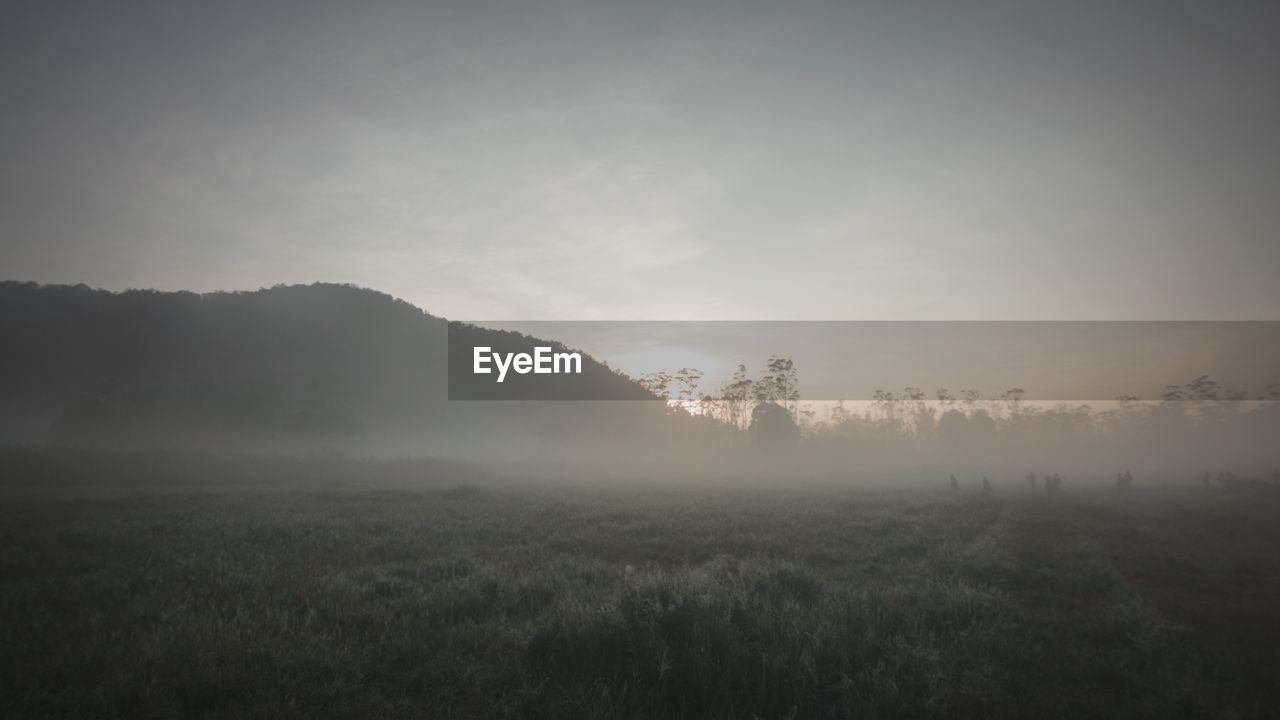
(965, 426)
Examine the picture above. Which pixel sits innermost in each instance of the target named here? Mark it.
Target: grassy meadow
(479, 601)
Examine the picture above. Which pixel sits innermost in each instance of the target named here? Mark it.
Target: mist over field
(201, 487)
(598, 359)
(351, 372)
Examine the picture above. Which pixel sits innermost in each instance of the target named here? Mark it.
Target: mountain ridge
(324, 363)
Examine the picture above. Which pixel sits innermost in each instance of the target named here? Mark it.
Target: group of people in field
(1124, 481)
(1228, 480)
(1052, 483)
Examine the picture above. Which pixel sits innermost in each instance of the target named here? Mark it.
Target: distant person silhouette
(986, 484)
(955, 484)
(1031, 480)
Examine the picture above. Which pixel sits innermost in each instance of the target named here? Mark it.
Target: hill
(288, 367)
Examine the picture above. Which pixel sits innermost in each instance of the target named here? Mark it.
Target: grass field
(633, 603)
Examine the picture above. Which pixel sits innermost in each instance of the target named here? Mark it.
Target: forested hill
(290, 365)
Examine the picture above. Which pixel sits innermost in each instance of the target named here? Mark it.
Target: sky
(1050, 360)
(566, 160)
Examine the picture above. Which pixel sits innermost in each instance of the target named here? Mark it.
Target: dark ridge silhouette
(290, 367)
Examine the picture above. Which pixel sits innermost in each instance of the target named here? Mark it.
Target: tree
(780, 384)
(773, 427)
(840, 414)
(736, 395)
(1203, 389)
(658, 383)
(953, 427)
(686, 384)
(922, 414)
(887, 403)
(1012, 399)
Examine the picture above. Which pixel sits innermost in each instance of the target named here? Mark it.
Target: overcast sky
(655, 160)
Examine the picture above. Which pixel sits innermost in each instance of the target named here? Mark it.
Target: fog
(342, 372)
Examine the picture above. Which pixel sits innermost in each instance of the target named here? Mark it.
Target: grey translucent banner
(1049, 361)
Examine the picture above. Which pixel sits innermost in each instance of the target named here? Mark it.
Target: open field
(572, 603)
